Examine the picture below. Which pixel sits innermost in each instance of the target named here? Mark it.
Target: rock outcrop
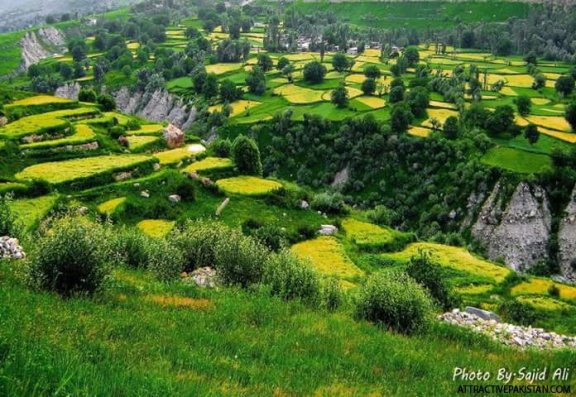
(40, 44)
(158, 106)
(68, 91)
(567, 239)
(518, 235)
(10, 248)
(173, 136)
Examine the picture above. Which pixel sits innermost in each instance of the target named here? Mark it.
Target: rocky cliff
(68, 90)
(567, 239)
(159, 105)
(40, 44)
(516, 231)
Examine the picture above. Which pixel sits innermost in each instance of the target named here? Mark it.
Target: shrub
(289, 277)
(71, 257)
(272, 236)
(39, 187)
(429, 274)
(222, 147)
(332, 294)
(396, 301)
(518, 312)
(131, 246)
(198, 241)
(380, 215)
(240, 260)
(554, 291)
(330, 203)
(8, 224)
(247, 156)
(117, 131)
(166, 261)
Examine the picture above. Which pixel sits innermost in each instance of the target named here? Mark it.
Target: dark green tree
(372, 72)
(418, 99)
(523, 104)
(565, 85)
(396, 95)
(412, 56)
(107, 102)
(340, 62)
(531, 133)
(451, 128)
(247, 156)
(265, 62)
(571, 115)
(401, 117)
(339, 96)
(368, 86)
(229, 92)
(256, 81)
(314, 72)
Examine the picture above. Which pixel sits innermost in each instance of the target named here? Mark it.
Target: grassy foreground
(145, 338)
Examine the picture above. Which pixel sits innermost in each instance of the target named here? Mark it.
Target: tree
(314, 72)
(523, 104)
(396, 95)
(282, 63)
(127, 70)
(539, 81)
(86, 95)
(340, 62)
(192, 32)
(287, 71)
(368, 86)
(531, 133)
(339, 96)
(107, 102)
(265, 62)
(247, 156)
(401, 117)
(66, 70)
(501, 120)
(418, 99)
(451, 127)
(565, 85)
(229, 92)
(412, 56)
(571, 115)
(210, 86)
(372, 72)
(256, 81)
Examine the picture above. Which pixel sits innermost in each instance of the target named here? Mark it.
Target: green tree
(229, 92)
(107, 102)
(314, 72)
(265, 62)
(210, 86)
(451, 127)
(571, 115)
(412, 56)
(396, 95)
(368, 86)
(256, 81)
(531, 133)
(539, 81)
(66, 70)
(565, 85)
(418, 99)
(247, 156)
(401, 117)
(127, 70)
(339, 96)
(340, 62)
(524, 105)
(501, 120)
(282, 63)
(372, 72)
(87, 95)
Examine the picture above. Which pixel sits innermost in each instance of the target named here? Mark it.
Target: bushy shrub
(222, 147)
(132, 125)
(131, 245)
(165, 261)
(332, 294)
(396, 301)
(72, 256)
(39, 187)
(198, 242)
(518, 312)
(272, 236)
(429, 274)
(330, 203)
(8, 224)
(240, 260)
(117, 131)
(380, 215)
(554, 291)
(289, 277)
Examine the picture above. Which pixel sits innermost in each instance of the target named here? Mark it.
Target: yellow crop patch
(540, 101)
(565, 136)
(176, 155)
(367, 59)
(237, 107)
(366, 234)
(439, 114)
(442, 105)
(221, 68)
(39, 100)
(30, 211)
(156, 227)
(372, 101)
(299, 95)
(304, 56)
(508, 91)
(148, 129)
(544, 303)
(354, 92)
(519, 80)
(83, 134)
(328, 257)
(136, 142)
(541, 285)
(420, 131)
(209, 163)
(69, 170)
(335, 75)
(372, 52)
(455, 258)
(110, 206)
(248, 185)
(552, 122)
(474, 289)
(355, 78)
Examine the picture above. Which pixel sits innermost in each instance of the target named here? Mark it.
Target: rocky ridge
(509, 334)
(40, 44)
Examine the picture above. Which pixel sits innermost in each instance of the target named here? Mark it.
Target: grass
(247, 185)
(30, 211)
(69, 170)
(328, 257)
(516, 160)
(455, 258)
(110, 206)
(177, 155)
(209, 163)
(10, 52)
(367, 235)
(156, 227)
(540, 286)
(544, 303)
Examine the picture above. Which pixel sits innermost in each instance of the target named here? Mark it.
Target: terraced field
(248, 185)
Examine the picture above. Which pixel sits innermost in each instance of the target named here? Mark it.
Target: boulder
(145, 194)
(204, 277)
(174, 198)
(3, 121)
(304, 205)
(173, 136)
(10, 248)
(328, 230)
(483, 314)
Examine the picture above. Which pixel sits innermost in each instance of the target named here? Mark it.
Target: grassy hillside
(144, 338)
(417, 14)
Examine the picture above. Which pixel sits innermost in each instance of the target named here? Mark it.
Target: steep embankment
(39, 44)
